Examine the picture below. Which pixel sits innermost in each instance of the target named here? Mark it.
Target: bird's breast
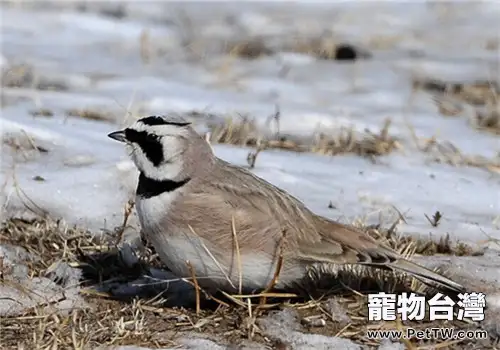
(153, 211)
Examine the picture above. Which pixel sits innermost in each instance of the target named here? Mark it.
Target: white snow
(88, 177)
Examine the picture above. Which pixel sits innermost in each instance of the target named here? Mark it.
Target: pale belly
(178, 248)
(255, 271)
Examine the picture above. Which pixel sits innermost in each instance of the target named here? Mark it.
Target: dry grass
(479, 93)
(446, 152)
(480, 101)
(146, 322)
(411, 245)
(26, 76)
(244, 132)
(109, 323)
(489, 120)
(249, 49)
(347, 140)
(42, 112)
(89, 114)
(324, 47)
(23, 145)
(21, 75)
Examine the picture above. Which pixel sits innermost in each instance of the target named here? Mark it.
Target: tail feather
(425, 275)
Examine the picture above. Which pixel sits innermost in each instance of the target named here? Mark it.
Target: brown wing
(358, 246)
(262, 212)
(309, 236)
(361, 248)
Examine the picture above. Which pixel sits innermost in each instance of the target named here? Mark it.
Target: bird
(231, 228)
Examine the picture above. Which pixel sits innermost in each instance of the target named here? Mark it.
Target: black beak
(118, 136)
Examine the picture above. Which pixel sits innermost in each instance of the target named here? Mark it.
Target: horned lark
(232, 226)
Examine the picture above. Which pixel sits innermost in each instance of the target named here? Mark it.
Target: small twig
(252, 156)
(233, 299)
(338, 334)
(20, 191)
(208, 296)
(249, 303)
(11, 299)
(212, 256)
(2, 269)
(238, 256)
(196, 286)
(435, 218)
(32, 142)
(490, 238)
(265, 295)
(251, 320)
(277, 271)
(277, 118)
(145, 44)
(126, 214)
(208, 137)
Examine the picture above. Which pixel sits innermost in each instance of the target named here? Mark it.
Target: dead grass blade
(212, 257)
(196, 286)
(245, 132)
(238, 255)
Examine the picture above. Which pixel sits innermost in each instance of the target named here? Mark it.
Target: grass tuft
(249, 49)
(89, 114)
(447, 153)
(479, 100)
(343, 140)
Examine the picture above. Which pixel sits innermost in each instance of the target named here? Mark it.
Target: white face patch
(172, 139)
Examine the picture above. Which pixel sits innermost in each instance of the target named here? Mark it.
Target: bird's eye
(140, 137)
(150, 144)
